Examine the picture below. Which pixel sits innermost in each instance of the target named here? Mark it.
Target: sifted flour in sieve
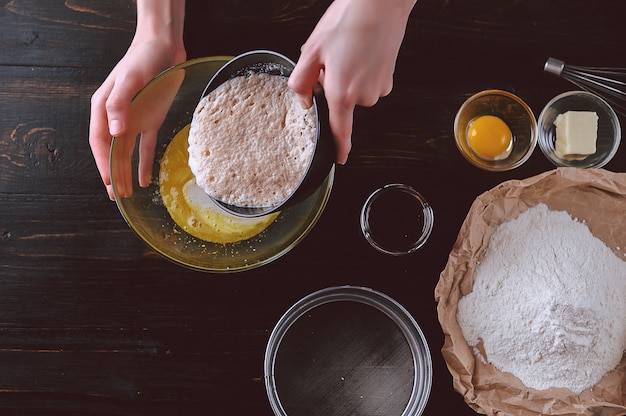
(548, 302)
(250, 141)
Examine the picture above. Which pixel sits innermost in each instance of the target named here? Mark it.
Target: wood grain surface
(93, 322)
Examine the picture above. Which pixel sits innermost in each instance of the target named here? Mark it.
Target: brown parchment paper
(595, 196)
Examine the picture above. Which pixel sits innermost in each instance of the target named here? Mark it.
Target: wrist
(407, 6)
(398, 8)
(161, 20)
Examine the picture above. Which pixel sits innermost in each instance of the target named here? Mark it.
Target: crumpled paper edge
(595, 196)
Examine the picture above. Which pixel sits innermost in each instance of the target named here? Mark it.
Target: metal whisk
(608, 83)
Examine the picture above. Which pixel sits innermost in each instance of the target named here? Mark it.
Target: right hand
(352, 53)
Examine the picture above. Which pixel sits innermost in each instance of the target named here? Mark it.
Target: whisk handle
(554, 66)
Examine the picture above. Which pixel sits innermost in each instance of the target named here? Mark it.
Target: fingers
(118, 102)
(122, 168)
(147, 146)
(110, 114)
(304, 78)
(99, 136)
(110, 192)
(340, 117)
(386, 91)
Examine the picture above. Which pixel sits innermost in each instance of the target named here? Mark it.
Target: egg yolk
(194, 211)
(490, 137)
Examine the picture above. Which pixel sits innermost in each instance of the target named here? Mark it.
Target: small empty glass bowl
(514, 112)
(609, 131)
(396, 219)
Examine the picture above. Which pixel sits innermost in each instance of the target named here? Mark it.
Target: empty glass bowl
(347, 350)
(396, 219)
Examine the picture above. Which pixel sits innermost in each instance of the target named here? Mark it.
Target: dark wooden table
(94, 322)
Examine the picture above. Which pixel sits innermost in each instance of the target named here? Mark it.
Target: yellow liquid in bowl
(194, 211)
(489, 137)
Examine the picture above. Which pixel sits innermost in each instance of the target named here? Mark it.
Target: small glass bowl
(510, 109)
(347, 350)
(609, 131)
(396, 219)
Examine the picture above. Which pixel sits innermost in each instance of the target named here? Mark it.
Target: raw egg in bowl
(495, 130)
(172, 214)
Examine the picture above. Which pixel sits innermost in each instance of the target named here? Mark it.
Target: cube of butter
(576, 134)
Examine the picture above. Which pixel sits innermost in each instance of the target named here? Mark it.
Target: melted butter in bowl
(192, 209)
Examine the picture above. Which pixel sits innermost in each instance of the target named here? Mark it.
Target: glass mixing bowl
(167, 103)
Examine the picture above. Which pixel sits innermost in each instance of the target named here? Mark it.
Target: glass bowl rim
(427, 212)
(420, 351)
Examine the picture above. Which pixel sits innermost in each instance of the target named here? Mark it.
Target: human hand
(110, 106)
(146, 115)
(156, 46)
(352, 53)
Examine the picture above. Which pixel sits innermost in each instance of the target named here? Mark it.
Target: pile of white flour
(548, 302)
(250, 141)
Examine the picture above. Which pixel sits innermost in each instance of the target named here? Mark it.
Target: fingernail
(115, 127)
(306, 103)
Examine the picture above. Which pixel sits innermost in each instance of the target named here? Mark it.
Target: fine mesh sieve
(273, 63)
